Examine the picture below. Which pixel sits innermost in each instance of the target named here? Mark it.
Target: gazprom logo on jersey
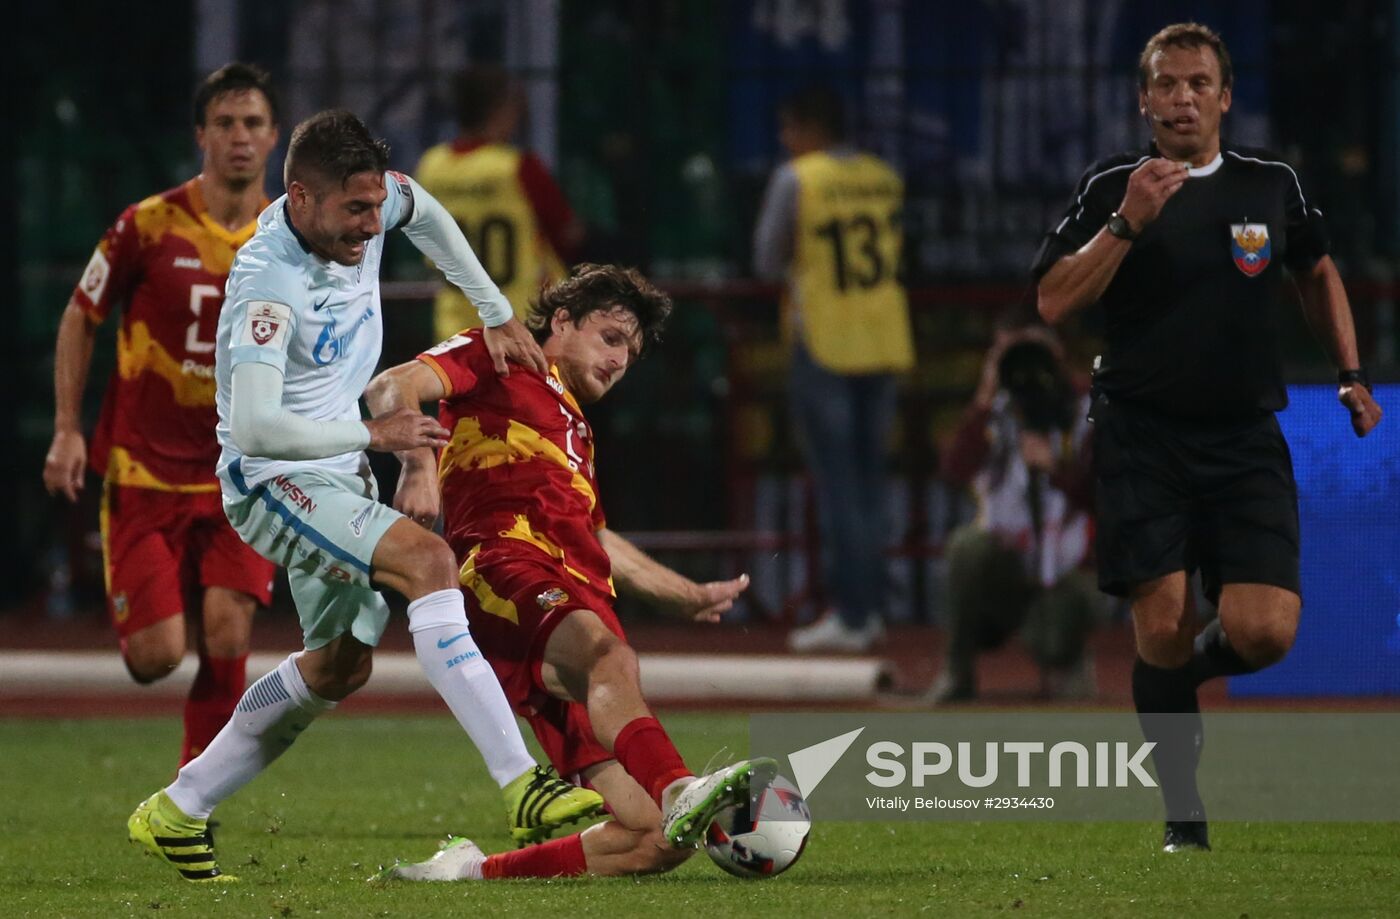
(331, 345)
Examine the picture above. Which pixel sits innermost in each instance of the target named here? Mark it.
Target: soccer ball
(765, 840)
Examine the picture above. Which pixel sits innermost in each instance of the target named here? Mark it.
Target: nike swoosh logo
(443, 644)
(316, 308)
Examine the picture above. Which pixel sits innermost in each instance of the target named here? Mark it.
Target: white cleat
(459, 859)
(690, 814)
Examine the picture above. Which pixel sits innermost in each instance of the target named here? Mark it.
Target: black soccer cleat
(1185, 834)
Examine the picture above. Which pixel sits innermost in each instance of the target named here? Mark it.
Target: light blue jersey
(317, 321)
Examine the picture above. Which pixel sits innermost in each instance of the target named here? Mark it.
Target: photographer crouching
(1023, 448)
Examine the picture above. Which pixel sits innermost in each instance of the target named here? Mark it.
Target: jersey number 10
(494, 243)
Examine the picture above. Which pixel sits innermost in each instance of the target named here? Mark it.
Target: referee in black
(1185, 244)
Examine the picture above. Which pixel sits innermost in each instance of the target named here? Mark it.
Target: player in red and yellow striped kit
(167, 549)
(521, 511)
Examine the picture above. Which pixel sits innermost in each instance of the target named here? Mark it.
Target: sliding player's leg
(630, 844)
(587, 659)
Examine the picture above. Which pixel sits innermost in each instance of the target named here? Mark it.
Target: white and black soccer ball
(762, 840)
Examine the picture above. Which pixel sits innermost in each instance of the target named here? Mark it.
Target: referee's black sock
(1170, 716)
(1214, 656)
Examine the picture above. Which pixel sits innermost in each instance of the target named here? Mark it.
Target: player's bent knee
(614, 661)
(1162, 643)
(435, 567)
(227, 639)
(413, 561)
(153, 654)
(337, 679)
(228, 623)
(1263, 643)
(149, 669)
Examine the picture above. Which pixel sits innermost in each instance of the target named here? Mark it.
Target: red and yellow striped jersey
(520, 464)
(163, 264)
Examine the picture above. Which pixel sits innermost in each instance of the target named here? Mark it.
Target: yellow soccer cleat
(181, 841)
(538, 802)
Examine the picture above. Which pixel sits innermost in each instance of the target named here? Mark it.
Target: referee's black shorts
(1181, 494)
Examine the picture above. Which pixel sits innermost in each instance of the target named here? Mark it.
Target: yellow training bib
(481, 189)
(846, 300)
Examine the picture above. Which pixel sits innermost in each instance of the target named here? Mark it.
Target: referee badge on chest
(1250, 247)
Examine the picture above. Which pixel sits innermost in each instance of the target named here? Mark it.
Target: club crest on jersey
(1250, 247)
(94, 280)
(551, 598)
(267, 322)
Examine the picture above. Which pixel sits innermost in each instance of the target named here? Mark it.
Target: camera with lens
(1040, 391)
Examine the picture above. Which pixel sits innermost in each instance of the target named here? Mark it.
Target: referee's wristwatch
(1349, 378)
(1118, 226)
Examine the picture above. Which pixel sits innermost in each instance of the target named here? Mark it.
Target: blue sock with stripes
(268, 719)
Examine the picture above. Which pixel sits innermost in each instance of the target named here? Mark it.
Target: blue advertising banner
(1349, 511)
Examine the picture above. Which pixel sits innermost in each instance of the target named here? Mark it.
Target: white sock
(473, 870)
(268, 719)
(467, 684)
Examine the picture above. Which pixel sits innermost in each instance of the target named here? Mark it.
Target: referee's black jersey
(1189, 316)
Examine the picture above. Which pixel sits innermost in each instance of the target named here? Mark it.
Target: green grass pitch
(360, 791)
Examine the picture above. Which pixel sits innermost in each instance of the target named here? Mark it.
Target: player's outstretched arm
(404, 389)
(66, 462)
(439, 237)
(640, 574)
(1328, 312)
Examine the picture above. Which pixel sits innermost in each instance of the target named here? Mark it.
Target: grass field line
(665, 677)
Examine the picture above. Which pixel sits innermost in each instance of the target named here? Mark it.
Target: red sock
(558, 858)
(217, 688)
(648, 755)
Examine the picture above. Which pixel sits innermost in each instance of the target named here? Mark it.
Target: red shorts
(516, 599)
(160, 550)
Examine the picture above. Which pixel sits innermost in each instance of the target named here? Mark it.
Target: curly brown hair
(1186, 35)
(590, 288)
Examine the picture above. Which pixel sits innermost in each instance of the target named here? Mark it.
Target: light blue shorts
(323, 527)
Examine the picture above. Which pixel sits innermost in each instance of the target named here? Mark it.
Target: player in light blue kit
(298, 340)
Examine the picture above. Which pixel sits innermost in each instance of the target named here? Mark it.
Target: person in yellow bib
(829, 228)
(508, 205)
